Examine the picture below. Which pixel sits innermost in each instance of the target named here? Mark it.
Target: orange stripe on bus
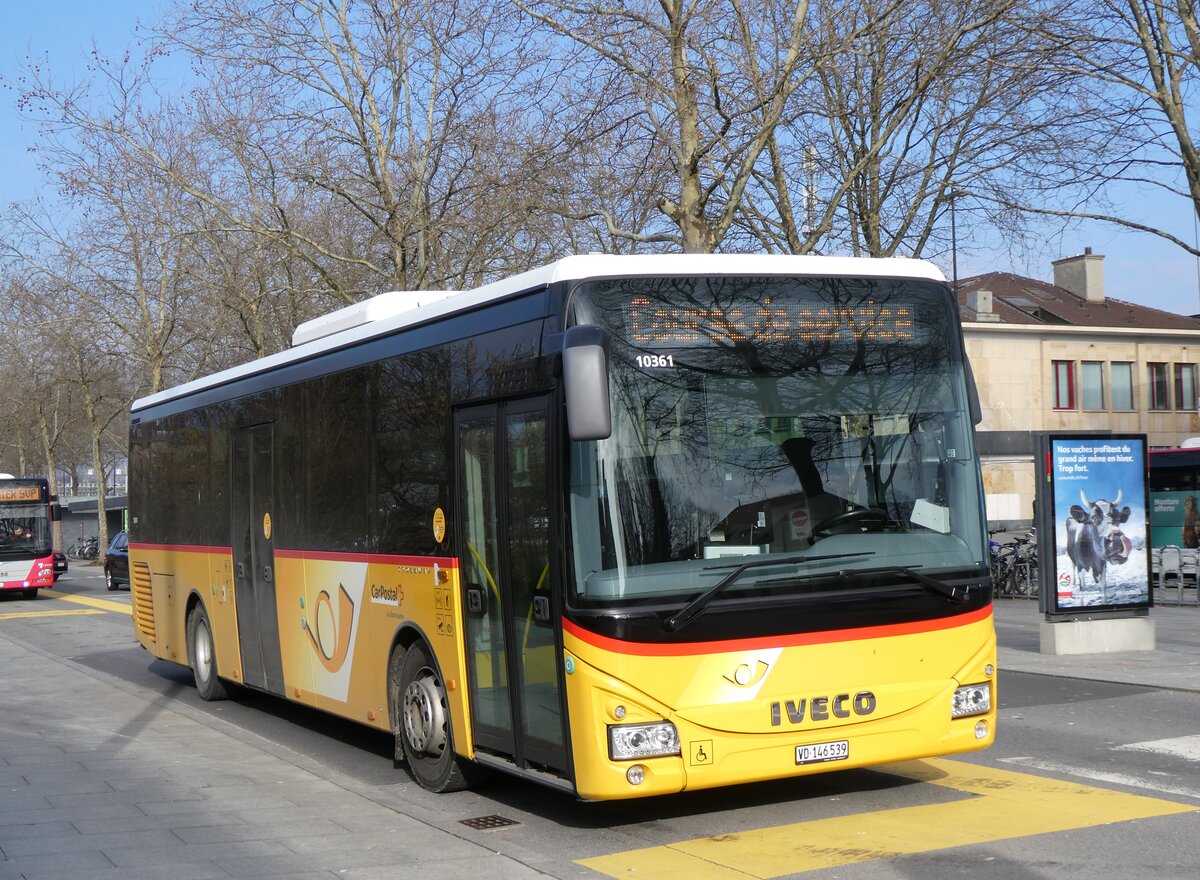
(618, 646)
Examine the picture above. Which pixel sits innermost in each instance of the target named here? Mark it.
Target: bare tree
(696, 88)
(391, 151)
(104, 395)
(914, 107)
(121, 251)
(1137, 64)
(36, 394)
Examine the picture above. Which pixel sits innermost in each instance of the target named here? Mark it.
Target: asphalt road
(1087, 779)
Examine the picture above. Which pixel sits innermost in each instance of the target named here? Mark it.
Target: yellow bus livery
(623, 526)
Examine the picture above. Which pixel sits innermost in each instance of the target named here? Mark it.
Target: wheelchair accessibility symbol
(701, 752)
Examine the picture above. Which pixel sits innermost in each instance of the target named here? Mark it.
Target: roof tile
(1020, 300)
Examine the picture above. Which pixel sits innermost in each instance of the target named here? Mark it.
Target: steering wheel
(871, 519)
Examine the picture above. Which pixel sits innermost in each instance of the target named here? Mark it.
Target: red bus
(26, 538)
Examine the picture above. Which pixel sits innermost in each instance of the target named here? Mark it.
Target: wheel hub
(424, 715)
(204, 653)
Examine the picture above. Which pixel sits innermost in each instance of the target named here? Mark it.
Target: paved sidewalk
(1174, 664)
(101, 782)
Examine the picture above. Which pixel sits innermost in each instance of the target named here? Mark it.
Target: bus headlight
(628, 742)
(971, 699)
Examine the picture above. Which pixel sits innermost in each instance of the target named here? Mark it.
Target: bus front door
(253, 500)
(505, 519)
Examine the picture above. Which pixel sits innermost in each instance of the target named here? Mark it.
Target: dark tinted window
(411, 443)
(335, 432)
(291, 487)
(139, 480)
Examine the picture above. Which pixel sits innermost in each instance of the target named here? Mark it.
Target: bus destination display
(652, 322)
(20, 493)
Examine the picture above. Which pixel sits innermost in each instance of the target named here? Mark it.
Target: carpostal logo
(330, 632)
(385, 595)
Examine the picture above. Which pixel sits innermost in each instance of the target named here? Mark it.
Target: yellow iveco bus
(623, 525)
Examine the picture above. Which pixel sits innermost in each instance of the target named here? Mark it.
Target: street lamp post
(953, 240)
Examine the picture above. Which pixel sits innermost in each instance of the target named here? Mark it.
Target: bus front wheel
(423, 722)
(202, 655)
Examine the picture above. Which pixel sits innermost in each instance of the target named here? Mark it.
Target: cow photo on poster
(1101, 560)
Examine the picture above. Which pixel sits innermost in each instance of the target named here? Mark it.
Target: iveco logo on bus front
(823, 708)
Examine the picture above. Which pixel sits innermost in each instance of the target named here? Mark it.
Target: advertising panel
(1097, 489)
(1175, 519)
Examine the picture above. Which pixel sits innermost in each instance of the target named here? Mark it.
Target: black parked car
(60, 564)
(116, 561)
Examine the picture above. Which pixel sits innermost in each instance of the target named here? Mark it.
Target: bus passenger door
(505, 518)
(252, 495)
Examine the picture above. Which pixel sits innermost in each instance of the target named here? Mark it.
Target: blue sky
(62, 31)
(1138, 267)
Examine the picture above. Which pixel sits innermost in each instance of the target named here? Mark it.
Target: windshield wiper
(691, 610)
(949, 592)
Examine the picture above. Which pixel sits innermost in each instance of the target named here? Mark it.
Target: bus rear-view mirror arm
(585, 382)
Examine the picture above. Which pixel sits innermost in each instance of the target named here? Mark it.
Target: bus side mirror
(55, 512)
(585, 381)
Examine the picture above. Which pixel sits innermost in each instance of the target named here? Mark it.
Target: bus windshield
(817, 423)
(24, 531)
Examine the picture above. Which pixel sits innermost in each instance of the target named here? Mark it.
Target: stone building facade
(1065, 357)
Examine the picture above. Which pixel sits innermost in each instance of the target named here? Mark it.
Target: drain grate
(488, 823)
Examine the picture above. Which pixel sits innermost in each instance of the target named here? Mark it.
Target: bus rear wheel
(202, 655)
(423, 722)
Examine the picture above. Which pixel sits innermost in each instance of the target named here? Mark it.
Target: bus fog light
(636, 774)
(628, 742)
(971, 699)
(981, 730)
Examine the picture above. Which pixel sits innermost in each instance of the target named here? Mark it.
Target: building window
(1064, 384)
(1160, 387)
(1122, 385)
(1091, 384)
(1185, 386)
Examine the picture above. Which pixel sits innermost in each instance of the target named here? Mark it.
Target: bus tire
(202, 655)
(393, 698)
(29, 594)
(423, 722)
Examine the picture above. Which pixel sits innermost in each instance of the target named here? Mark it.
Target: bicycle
(1002, 558)
(1023, 572)
(80, 549)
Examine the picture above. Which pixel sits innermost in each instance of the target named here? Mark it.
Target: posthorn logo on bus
(745, 675)
(823, 708)
(328, 632)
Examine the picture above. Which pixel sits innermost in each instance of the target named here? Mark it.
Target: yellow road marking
(12, 614)
(1004, 805)
(102, 604)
